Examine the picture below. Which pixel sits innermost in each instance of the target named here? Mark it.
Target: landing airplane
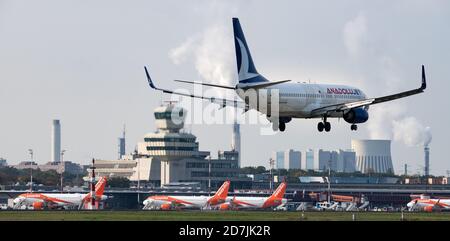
(179, 202)
(275, 200)
(296, 100)
(427, 204)
(59, 200)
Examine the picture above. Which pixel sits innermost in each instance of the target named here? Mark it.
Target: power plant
(56, 142)
(373, 156)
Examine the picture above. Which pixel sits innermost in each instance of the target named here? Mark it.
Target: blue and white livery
(293, 100)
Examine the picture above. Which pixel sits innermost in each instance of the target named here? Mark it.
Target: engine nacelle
(38, 205)
(224, 206)
(428, 209)
(358, 115)
(166, 206)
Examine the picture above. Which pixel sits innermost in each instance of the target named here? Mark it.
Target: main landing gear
(353, 127)
(280, 124)
(324, 125)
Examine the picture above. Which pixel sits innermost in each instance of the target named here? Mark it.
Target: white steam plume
(389, 120)
(213, 54)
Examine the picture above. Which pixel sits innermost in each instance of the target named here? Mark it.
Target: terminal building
(59, 167)
(171, 155)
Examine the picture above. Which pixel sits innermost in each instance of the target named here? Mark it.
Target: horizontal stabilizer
(257, 85)
(206, 84)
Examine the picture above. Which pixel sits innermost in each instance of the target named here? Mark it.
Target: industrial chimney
(426, 149)
(122, 144)
(56, 141)
(236, 141)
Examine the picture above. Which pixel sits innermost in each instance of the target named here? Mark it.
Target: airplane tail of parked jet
(280, 191)
(99, 189)
(221, 195)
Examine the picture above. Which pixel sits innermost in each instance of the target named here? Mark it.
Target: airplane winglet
(424, 81)
(150, 82)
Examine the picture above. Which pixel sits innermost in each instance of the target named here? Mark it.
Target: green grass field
(214, 216)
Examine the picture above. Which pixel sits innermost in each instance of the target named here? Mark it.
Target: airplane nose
(409, 204)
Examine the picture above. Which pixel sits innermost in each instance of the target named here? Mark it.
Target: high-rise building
(56, 141)
(3, 162)
(321, 160)
(279, 159)
(288, 159)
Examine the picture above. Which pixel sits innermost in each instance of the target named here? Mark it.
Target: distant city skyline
(82, 63)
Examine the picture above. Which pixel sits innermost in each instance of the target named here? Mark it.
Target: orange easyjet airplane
(274, 200)
(59, 200)
(427, 204)
(177, 202)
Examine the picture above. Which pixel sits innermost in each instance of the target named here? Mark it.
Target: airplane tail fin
(100, 187)
(246, 68)
(221, 194)
(279, 192)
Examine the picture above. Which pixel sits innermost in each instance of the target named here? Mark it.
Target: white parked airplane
(275, 200)
(59, 200)
(295, 100)
(163, 202)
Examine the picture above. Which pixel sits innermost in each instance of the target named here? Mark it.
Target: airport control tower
(169, 143)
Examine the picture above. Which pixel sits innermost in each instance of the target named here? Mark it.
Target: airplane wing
(219, 101)
(355, 104)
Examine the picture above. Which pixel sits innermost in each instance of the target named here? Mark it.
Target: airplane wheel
(274, 127)
(327, 126)
(282, 126)
(354, 127)
(320, 126)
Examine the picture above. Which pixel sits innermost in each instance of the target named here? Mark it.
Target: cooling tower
(373, 156)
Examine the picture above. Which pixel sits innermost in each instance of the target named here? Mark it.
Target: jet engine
(166, 206)
(38, 205)
(357, 115)
(224, 206)
(428, 209)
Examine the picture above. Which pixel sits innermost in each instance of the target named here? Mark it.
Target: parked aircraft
(272, 201)
(427, 204)
(178, 202)
(60, 200)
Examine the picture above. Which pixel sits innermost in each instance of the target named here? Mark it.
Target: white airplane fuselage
(254, 202)
(182, 201)
(297, 100)
(424, 203)
(60, 200)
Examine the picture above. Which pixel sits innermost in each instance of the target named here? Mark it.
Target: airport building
(59, 167)
(373, 156)
(171, 155)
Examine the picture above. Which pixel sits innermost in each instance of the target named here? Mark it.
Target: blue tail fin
(246, 68)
